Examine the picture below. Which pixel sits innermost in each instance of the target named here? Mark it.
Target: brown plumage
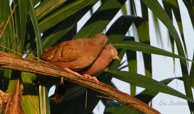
(76, 54)
(108, 54)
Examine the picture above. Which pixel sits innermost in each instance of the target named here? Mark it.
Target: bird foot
(70, 71)
(91, 77)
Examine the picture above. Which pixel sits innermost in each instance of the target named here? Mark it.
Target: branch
(13, 62)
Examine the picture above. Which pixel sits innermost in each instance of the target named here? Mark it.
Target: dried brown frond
(13, 104)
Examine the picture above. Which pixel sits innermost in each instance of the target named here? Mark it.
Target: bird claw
(91, 77)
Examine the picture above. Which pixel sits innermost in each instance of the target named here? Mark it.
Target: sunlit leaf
(148, 83)
(135, 46)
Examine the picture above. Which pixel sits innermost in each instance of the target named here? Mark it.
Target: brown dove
(107, 55)
(76, 54)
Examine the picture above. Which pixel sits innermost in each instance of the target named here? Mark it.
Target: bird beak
(117, 57)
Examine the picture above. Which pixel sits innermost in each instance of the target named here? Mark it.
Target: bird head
(101, 37)
(114, 52)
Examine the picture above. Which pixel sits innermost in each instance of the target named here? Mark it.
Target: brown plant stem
(13, 62)
(1, 32)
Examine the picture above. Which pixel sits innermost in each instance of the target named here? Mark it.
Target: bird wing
(64, 52)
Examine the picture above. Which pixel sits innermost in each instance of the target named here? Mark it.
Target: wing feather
(64, 52)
